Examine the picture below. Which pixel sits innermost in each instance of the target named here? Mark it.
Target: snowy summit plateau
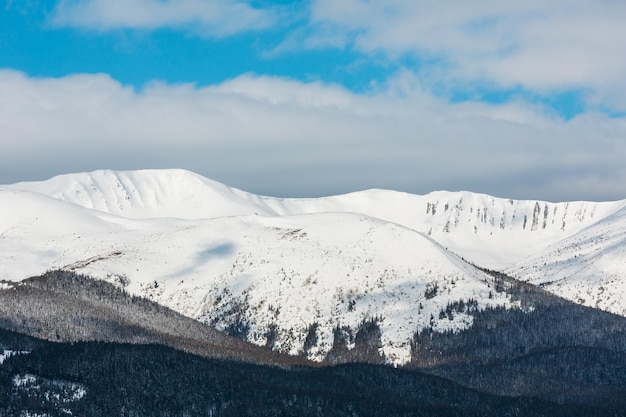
(292, 273)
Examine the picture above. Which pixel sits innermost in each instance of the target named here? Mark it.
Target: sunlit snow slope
(488, 231)
(228, 257)
(588, 267)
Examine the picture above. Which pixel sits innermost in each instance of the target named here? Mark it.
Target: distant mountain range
(293, 274)
(164, 293)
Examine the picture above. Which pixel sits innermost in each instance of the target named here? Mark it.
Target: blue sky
(319, 97)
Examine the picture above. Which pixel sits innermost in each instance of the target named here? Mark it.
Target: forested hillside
(549, 348)
(103, 379)
(63, 306)
(570, 358)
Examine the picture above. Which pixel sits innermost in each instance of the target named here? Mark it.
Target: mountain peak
(146, 193)
(259, 264)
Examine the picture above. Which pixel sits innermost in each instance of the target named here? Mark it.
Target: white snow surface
(8, 353)
(204, 249)
(588, 267)
(491, 232)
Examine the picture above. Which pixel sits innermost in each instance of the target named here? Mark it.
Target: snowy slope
(148, 194)
(588, 268)
(488, 231)
(31, 225)
(228, 257)
(283, 272)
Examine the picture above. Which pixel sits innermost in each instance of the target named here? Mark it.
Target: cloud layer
(539, 47)
(427, 124)
(283, 137)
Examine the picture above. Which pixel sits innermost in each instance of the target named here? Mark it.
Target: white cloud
(214, 17)
(278, 136)
(538, 45)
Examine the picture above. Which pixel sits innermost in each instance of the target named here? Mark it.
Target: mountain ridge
(447, 215)
(219, 254)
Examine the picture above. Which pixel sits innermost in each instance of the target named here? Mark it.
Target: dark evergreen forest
(151, 380)
(96, 351)
(550, 348)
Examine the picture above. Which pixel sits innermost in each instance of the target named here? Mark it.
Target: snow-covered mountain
(283, 269)
(588, 267)
(491, 232)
